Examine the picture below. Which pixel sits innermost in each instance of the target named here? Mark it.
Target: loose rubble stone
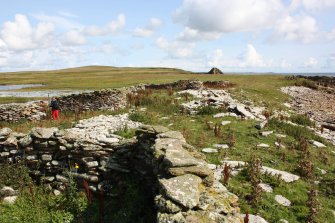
(254, 218)
(7, 191)
(267, 133)
(10, 199)
(221, 146)
(282, 200)
(225, 122)
(209, 150)
(266, 187)
(318, 144)
(285, 176)
(5, 131)
(263, 145)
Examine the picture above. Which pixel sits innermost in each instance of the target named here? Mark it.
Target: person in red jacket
(54, 108)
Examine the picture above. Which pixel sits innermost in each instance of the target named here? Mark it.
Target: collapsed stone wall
(182, 184)
(107, 99)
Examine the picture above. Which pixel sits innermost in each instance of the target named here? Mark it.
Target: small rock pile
(16, 111)
(318, 105)
(221, 98)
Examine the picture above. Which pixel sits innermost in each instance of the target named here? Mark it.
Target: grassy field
(100, 77)
(162, 109)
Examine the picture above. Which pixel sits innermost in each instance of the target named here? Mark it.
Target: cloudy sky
(234, 35)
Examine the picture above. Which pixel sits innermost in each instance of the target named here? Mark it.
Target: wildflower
(76, 166)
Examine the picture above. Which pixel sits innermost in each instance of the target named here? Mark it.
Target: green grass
(259, 88)
(197, 133)
(163, 109)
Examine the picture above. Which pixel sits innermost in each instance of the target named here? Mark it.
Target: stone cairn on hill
(215, 70)
(183, 186)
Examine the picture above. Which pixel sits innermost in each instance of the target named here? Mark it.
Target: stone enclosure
(182, 185)
(183, 188)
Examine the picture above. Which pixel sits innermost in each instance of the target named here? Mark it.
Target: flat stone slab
(182, 189)
(43, 133)
(209, 150)
(266, 133)
(219, 115)
(172, 135)
(225, 122)
(234, 164)
(283, 200)
(255, 218)
(175, 155)
(280, 135)
(285, 176)
(263, 145)
(318, 144)
(265, 187)
(221, 146)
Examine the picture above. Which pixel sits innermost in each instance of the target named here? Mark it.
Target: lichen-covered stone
(182, 189)
(43, 133)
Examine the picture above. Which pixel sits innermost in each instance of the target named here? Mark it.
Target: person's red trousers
(55, 114)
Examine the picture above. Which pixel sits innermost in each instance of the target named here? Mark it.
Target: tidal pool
(17, 86)
(7, 91)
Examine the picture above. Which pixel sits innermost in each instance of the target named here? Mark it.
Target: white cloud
(143, 32)
(74, 37)
(227, 15)
(58, 21)
(189, 34)
(331, 35)
(43, 30)
(216, 58)
(302, 28)
(18, 35)
(149, 29)
(110, 28)
(252, 58)
(311, 62)
(312, 4)
(175, 49)
(284, 64)
(330, 63)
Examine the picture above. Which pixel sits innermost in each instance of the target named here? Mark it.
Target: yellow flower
(76, 166)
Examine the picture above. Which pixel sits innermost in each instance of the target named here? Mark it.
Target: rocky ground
(318, 105)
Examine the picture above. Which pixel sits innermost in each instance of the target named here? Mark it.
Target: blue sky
(237, 36)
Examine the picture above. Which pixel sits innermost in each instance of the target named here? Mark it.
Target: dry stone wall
(107, 99)
(182, 184)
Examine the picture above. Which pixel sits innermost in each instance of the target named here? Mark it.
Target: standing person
(54, 108)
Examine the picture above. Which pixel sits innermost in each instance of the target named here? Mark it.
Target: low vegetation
(160, 107)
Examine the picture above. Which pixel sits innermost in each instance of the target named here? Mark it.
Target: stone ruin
(215, 70)
(183, 187)
(106, 99)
